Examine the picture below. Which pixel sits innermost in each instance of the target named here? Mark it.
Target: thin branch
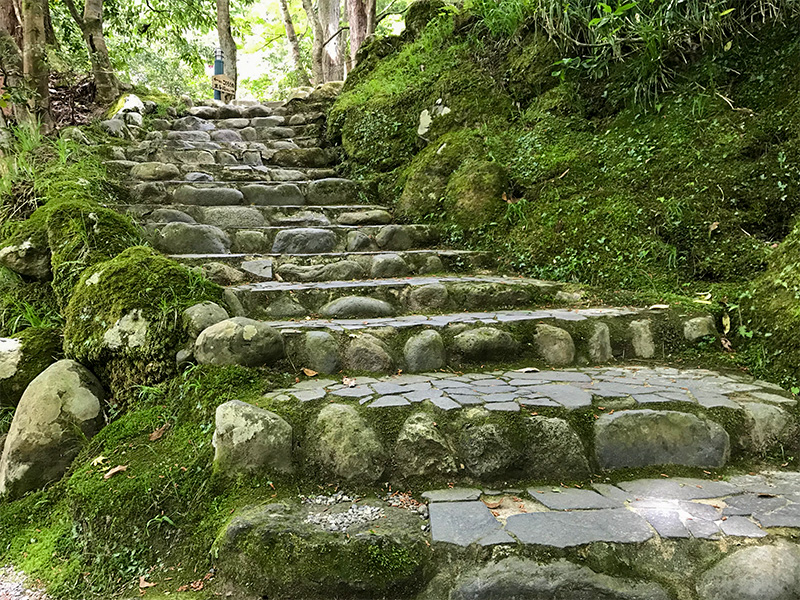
(147, 2)
(73, 10)
(330, 39)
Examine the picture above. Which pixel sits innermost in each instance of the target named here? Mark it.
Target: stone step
(235, 269)
(257, 216)
(134, 172)
(552, 425)
(280, 154)
(555, 337)
(394, 294)
(637, 539)
(217, 113)
(257, 127)
(201, 192)
(188, 238)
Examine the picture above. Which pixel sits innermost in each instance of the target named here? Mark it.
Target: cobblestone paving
(629, 512)
(569, 389)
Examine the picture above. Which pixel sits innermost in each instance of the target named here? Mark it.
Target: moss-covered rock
(420, 13)
(280, 550)
(23, 357)
(475, 192)
(124, 319)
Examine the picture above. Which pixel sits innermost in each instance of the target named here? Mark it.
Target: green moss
(81, 235)
(475, 194)
(150, 293)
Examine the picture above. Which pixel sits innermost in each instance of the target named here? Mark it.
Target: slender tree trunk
(361, 17)
(294, 45)
(34, 59)
(11, 20)
(91, 25)
(226, 41)
(333, 56)
(317, 68)
(11, 76)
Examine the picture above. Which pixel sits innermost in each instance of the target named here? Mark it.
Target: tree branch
(73, 10)
(330, 39)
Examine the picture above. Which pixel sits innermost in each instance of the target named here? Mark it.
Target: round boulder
(239, 341)
(202, 316)
(59, 410)
(342, 443)
(421, 450)
(758, 573)
(424, 352)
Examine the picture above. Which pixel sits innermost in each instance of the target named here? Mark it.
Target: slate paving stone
(389, 401)
(566, 395)
(453, 495)
(444, 403)
(773, 398)
(419, 396)
(499, 397)
(666, 522)
(613, 492)
(538, 402)
(571, 499)
(466, 400)
(575, 528)
(503, 407)
(353, 392)
(737, 526)
(787, 516)
(748, 504)
(573, 376)
(463, 523)
(678, 488)
(308, 395)
(702, 529)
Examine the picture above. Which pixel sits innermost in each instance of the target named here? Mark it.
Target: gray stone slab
(773, 398)
(360, 391)
(308, 395)
(453, 495)
(495, 390)
(419, 396)
(462, 523)
(569, 376)
(467, 400)
(314, 384)
(567, 529)
(702, 529)
(710, 400)
(503, 407)
(572, 499)
(613, 492)
(678, 488)
(566, 395)
(444, 403)
(489, 398)
(666, 522)
(387, 401)
(741, 527)
(538, 402)
(748, 504)
(788, 516)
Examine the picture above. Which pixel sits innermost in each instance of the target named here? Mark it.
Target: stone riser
(392, 296)
(174, 148)
(550, 338)
(181, 238)
(223, 173)
(258, 216)
(306, 158)
(326, 192)
(279, 114)
(328, 267)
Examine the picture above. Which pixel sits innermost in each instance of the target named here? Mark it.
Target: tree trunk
(361, 16)
(294, 45)
(34, 59)
(91, 25)
(226, 42)
(317, 68)
(10, 20)
(333, 55)
(10, 76)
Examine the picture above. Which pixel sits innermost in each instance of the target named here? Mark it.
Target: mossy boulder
(475, 193)
(62, 238)
(23, 357)
(428, 175)
(291, 551)
(420, 13)
(124, 319)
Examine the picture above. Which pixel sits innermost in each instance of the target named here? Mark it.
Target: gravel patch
(13, 586)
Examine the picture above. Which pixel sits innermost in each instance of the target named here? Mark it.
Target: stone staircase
(431, 341)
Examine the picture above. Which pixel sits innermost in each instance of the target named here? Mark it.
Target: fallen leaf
(527, 370)
(492, 505)
(144, 584)
(349, 382)
(309, 372)
(726, 323)
(99, 461)
(115, 470)
(713, 227)
(659, 307)
(158, 433)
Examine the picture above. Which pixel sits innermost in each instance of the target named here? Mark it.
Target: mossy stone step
(133, 172)
(258, 215)
(201, 191)
(230, 269)
(280, 154)
(391, 295)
